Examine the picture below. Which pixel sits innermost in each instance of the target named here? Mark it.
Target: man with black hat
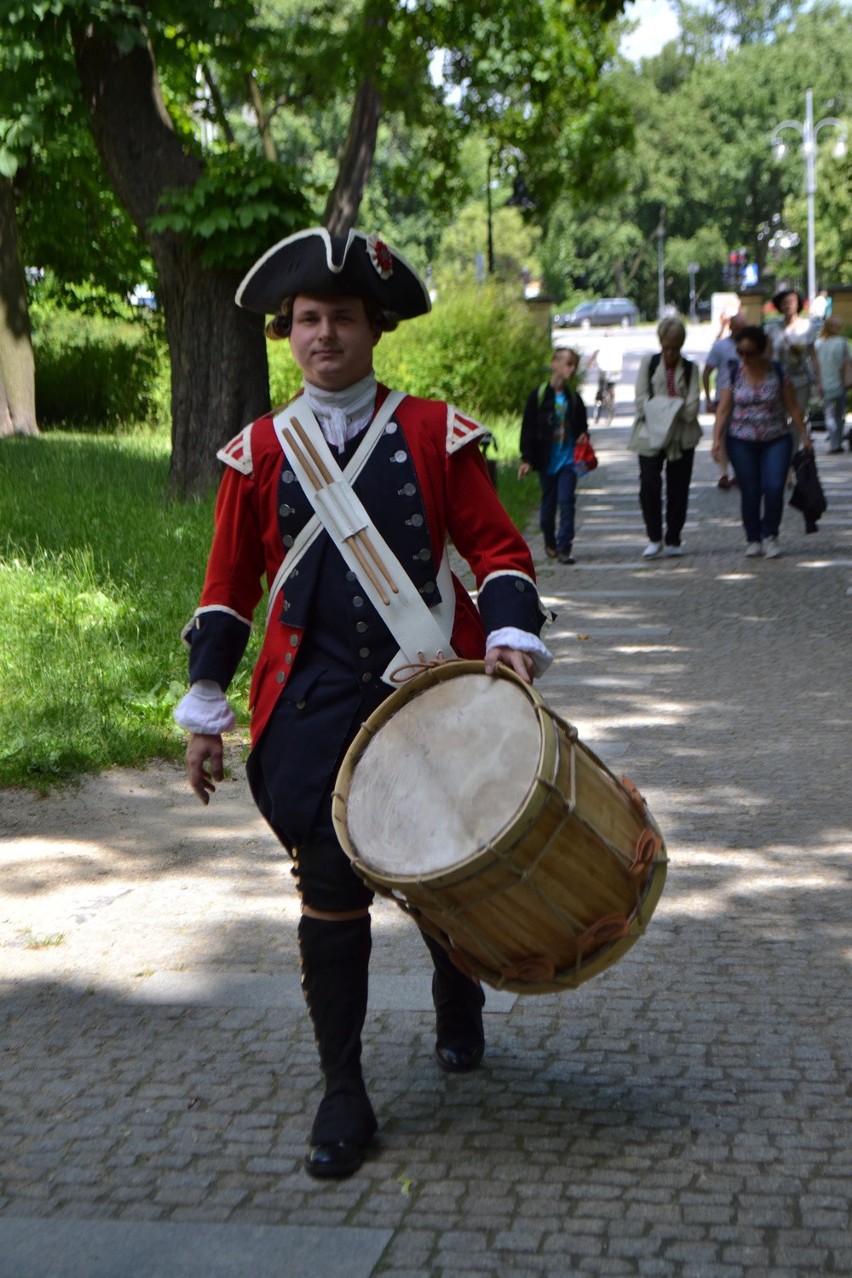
(407, 472)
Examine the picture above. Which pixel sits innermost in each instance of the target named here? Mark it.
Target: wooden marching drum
(476, 808)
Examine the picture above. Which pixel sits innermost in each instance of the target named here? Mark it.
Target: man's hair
(281, 324)
(567, 350)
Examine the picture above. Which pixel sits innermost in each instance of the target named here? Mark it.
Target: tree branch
(218, 104)
(341, 211)
(264, 119)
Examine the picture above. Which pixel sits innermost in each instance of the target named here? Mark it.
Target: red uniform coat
(460, 504)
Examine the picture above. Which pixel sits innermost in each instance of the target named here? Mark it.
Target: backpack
(542, 391)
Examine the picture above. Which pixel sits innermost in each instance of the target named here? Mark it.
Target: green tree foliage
(184, 98)
(704, 110)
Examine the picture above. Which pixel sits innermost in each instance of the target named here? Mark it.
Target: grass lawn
(98, 573)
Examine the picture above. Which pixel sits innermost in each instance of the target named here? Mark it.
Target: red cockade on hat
(380, 256)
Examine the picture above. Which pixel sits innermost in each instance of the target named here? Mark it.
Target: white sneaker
(754, 550)
(673, 552)
(652, 550)
(772, 550)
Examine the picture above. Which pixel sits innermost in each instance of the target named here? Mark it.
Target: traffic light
(731, 270)
(734, 267)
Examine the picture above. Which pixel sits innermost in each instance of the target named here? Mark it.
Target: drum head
(449, 770)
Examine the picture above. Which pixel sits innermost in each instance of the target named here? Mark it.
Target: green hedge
(92, 371)
(479, 348)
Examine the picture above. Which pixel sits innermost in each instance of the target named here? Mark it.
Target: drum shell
(558, 894)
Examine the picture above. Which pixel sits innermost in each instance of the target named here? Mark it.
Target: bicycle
(605, 403)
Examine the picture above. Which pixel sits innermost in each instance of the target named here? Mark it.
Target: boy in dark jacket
(554, 421)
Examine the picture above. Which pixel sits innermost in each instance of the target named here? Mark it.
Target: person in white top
(793, 346)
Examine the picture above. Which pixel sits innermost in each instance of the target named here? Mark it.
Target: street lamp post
(693, 271)
(490, 216)
(661, 279)
(808, 133)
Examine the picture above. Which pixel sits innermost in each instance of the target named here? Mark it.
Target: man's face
(332, 340)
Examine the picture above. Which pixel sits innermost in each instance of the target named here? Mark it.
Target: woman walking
(666, 430)
(754, 407)
(793, 346)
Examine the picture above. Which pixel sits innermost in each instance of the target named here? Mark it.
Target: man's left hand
(521, 662)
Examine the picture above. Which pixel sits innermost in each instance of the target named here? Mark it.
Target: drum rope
(418, 667)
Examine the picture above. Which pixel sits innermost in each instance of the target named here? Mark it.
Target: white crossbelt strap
(421, 632)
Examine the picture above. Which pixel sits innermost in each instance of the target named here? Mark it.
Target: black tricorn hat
(783, 291)
(315, 263)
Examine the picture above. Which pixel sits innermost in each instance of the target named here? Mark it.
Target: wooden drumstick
(309, 444)
(377, 560)
(303, 462)
(368, 572)
(362, 537)
(318, 486)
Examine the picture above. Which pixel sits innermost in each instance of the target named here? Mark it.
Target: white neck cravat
(343, 414)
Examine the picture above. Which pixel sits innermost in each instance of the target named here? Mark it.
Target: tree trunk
(219, 372)
(17, 373)
(341, 211)
(214, 346)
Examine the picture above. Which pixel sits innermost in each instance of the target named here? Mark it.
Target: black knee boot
(335, 960)
(460, 1038)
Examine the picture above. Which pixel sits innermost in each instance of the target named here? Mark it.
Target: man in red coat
(414, 471)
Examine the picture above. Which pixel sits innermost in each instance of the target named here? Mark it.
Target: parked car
(573, 319)
(605, 311)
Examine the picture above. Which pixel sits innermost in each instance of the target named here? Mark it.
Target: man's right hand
(524, 469)
(199, 749)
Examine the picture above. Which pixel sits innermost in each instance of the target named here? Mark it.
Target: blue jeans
(557, 494)
(761, 469)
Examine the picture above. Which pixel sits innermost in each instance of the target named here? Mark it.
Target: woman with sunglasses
(751, 426)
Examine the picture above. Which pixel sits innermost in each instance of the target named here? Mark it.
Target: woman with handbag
(751, 427)
(665, 433)
(835, 361)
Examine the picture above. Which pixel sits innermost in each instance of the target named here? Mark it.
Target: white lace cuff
(511, 637)
(205, 709)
